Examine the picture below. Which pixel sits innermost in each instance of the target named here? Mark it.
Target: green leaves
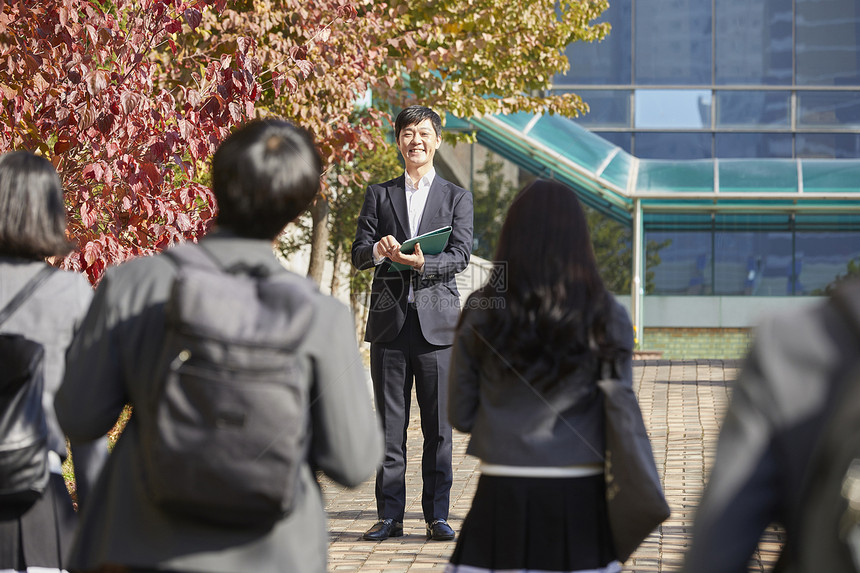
(476, 57)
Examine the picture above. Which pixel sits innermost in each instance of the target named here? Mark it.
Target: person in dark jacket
(32, 229)
(525, 362)
(412, 317)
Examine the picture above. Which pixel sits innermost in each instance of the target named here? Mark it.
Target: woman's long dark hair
(549, 302)
(32, 213)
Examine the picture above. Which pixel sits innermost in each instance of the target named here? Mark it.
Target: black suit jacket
(436, 296)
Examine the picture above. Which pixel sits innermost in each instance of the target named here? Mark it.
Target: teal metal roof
(610, 179)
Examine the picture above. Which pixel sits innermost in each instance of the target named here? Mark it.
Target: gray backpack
(227, 430)
(23, 429)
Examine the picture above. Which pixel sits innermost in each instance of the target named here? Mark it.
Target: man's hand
(389, 247)
(415, 260)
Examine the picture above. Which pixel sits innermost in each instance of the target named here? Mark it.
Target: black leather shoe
(383, 529)
(439, 530)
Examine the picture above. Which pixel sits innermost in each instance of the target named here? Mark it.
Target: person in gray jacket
(264, 175)
(779, 408)
(33, 228)
(523, 384)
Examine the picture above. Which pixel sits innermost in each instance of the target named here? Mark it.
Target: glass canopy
(613, 181)
(690, 195)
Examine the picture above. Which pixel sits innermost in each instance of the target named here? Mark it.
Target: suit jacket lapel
(397, 193)
(435, 199)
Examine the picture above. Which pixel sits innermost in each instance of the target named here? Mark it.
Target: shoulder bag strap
(28, 289)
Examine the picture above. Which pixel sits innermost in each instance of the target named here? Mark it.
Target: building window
(685, 263)
(828, 35)
(828, 109)
(753, 42)
(827, 145)
(754, 262)
(623, 139)
(673, 42)
(606, 62)
(667, 145)
(672, 109)
(608, 108)
(823, 257)
(746, 145)
(750, 109)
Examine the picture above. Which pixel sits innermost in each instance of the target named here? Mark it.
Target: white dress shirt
(416, 199)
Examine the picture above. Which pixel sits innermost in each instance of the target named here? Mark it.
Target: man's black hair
(264, 175)
(416, 114)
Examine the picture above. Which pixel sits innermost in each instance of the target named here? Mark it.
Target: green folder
(432, 243)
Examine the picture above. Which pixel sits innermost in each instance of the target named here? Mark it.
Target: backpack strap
(201, 257)
(189, 254)
(28, 289)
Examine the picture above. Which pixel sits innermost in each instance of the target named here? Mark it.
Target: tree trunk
(359, 300)
(335, 275)
(319, 238)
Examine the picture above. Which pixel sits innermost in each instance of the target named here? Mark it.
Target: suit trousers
(393, 367)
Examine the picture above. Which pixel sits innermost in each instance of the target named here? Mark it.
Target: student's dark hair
(264, 175)
(416, 114)
(32, 212)
(554, 302)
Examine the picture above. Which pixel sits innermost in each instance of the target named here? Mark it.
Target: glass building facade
(702, 79)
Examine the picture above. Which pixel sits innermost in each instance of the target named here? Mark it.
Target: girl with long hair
(36, 530)
(529, 348)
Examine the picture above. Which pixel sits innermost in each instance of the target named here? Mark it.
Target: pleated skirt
(536, 524)
(36, 538)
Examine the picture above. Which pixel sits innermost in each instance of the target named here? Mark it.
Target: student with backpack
(786, 446)
(243, 379)
(40, 308)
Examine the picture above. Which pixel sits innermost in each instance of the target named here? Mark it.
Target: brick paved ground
(682, 402)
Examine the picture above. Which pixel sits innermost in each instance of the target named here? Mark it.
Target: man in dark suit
(412, 318)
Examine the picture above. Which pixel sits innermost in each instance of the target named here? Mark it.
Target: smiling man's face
(418, 144)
